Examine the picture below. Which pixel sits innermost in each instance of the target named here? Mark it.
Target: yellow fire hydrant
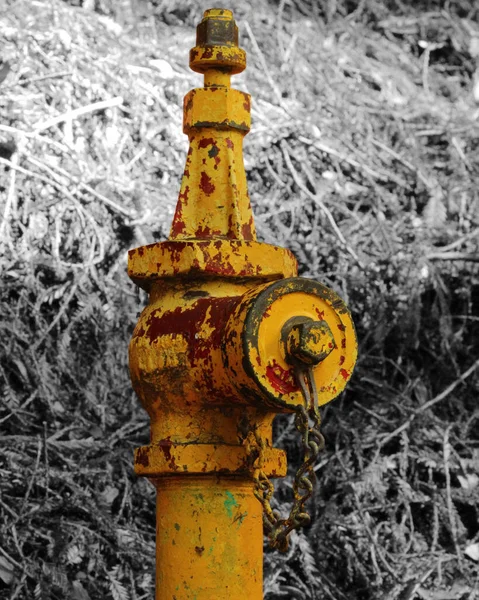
(230, 338)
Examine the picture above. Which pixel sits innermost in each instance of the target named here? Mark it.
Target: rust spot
(205, 184)
(320, 314)
(341, 327)
(341, 360)
(188, 321)
(205, 142)
(247, 102)
(189, 104)
(230, 144)
(343, 343)
(178, 227)
(282, 380)
(246, 230)
(143, 457)
(207, 52)
(141, 251)
(199, 550)
(203, 232)
(165, 446)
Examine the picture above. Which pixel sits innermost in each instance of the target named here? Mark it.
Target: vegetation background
(364, 160)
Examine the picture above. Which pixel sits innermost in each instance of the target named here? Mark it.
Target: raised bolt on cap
(309, 342)
(218, 28)
(217, 43)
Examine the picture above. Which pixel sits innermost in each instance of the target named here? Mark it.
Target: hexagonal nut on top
(308, 342)
(217, 43)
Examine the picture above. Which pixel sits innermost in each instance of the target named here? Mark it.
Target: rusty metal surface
(168, 458)
(202, 258)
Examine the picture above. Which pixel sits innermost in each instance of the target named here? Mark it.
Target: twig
(425, 66)
(58, 316)
(453, 256)
(11, 194)
(22, 407)
(402, 160)
(264, 65)
(427, 405)
(446, 453)
(78, 112)
(351, 161)
(32, 478)
(39, 78)
(460, 241)
(47, 467)
(317, 200)
(10, 559)
(61, 188)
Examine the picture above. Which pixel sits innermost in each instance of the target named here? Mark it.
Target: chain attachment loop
(307, 421)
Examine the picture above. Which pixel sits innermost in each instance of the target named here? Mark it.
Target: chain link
(307, 421)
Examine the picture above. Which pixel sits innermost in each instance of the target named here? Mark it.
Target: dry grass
(363, 159)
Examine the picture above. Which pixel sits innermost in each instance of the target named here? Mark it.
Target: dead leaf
(6, 570)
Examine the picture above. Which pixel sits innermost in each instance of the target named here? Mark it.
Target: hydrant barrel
(228, 338)
(209, 539)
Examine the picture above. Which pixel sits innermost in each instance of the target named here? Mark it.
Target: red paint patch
(341, 327)
(341, 360)
(203, 232)
(207, 52)
(344, 374)
(246, 230)
(229, 143)
(142, 457)
(206, 185)
(282, 380)
(179, 226)
(188, 322)
(165, 445)
(320, 314)
(205, 142)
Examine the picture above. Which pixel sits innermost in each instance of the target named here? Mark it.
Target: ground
(363, 160)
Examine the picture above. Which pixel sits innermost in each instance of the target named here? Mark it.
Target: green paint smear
(230, 503)
(177, 527)
(240, 519)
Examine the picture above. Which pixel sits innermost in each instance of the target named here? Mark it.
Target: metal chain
(307, 421)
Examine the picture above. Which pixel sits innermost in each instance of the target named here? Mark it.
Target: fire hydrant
(230, 338)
